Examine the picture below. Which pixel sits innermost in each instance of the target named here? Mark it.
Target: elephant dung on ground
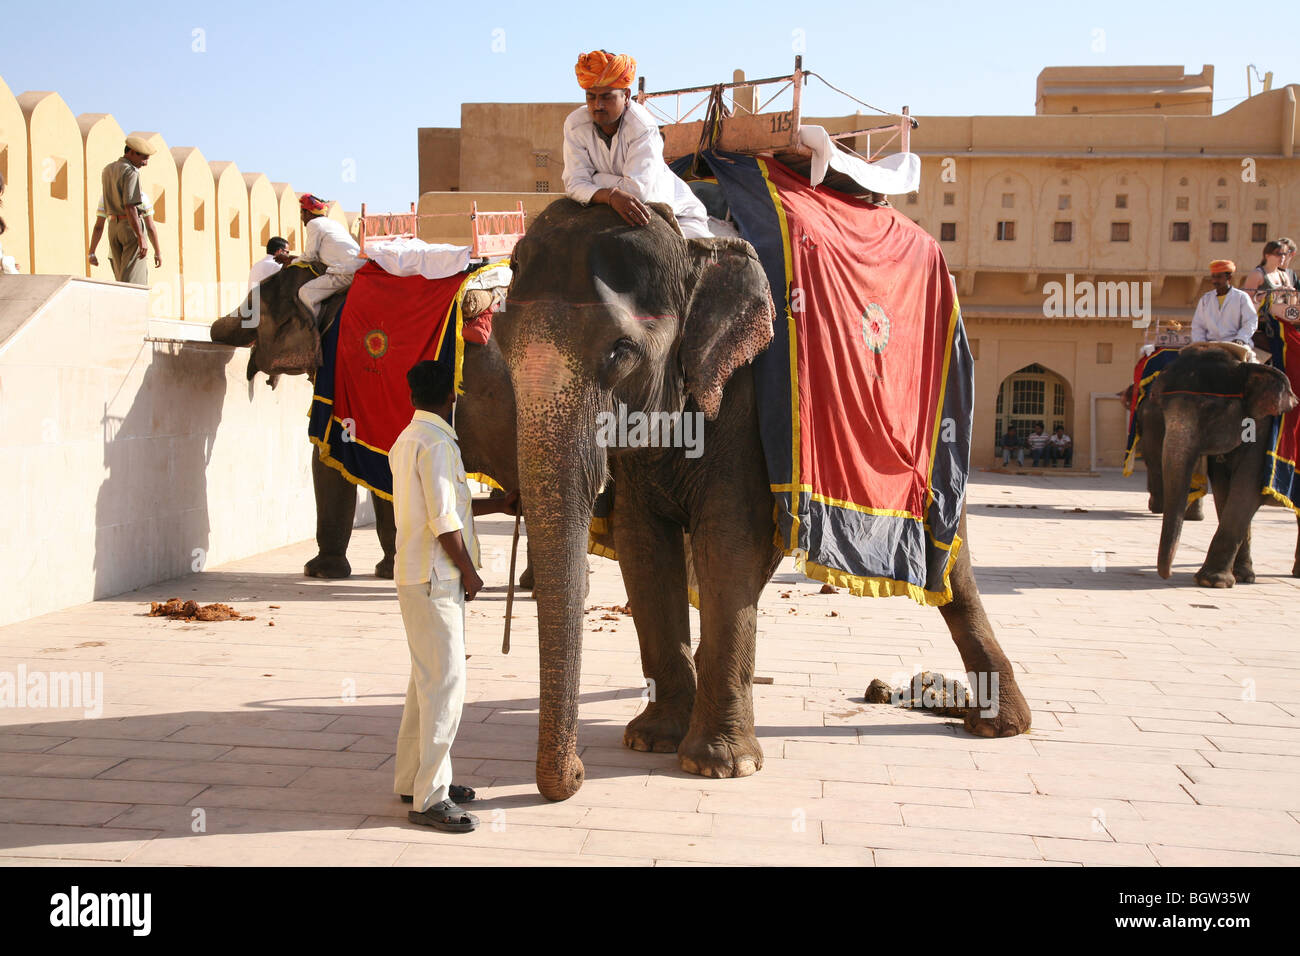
(485, 416)
(1211, 402)
(601, 315)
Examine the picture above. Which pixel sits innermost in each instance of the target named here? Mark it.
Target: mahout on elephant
(1212, 403)
(270, 320)
(602, 316)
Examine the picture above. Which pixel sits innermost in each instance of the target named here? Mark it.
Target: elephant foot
(1295, 570)
(526, 579)
(658, 729)
(1244, 575)
(1215, 579)
(721, 755)
(1008, 716)
(384, 569)
(331, 566)
(1195, 511)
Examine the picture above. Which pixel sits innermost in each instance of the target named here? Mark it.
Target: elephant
(485, 418)
(1212, 402)
(602, 314)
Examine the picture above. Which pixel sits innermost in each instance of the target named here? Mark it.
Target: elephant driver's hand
(633, 210)
(473, 584)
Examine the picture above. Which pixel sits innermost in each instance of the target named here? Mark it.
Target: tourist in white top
(1224, 314)
(277, 256)
(327, 242)
(613, 152)
(434, 570)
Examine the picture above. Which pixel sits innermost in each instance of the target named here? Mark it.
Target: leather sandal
(445, 816)
(455, 792)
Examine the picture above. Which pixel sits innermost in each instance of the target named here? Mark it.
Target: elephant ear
(728, 317)
(1266, 391)
(665, 213)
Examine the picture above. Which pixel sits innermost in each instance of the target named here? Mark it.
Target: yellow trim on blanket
(332, 462)
(594, 547)
(794, 348)
(885, 587)
(483, 479)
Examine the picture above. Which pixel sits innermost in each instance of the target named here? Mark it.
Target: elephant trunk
(561, 469)
(1178, 461)
(234, 329)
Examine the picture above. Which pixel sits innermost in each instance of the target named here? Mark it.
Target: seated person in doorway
(1013, 442)
(1037, 442)
(1061, 447)
(1224, 314)
(613, 152)
(327, 242)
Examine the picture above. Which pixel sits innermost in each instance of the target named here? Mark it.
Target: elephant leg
(1006, 713)
(734, 559)
(1240, 502)
(652, 558)
(1243, 571)
(1295, 567)
(336, 509)
(386, 528)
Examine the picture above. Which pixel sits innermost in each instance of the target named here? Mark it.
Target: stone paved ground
(1166, 719)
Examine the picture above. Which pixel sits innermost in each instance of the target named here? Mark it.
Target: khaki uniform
(121, 189)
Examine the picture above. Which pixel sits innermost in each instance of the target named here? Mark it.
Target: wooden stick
(510, 588)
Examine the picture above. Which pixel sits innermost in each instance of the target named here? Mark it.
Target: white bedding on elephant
(895, 174)
(414, 257)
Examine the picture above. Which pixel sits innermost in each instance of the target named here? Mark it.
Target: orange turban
(1222, 265)
(599, 68)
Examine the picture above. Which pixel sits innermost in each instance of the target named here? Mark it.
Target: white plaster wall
(129, 462)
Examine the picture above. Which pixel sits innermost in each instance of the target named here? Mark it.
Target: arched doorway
(1030, 396)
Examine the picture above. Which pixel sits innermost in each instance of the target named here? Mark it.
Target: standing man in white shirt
(434, 570)
(613, 152)
(327, 242)
(1224, 314)
(277, 257)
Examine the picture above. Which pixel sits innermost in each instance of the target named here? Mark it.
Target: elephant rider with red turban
(613, 152)
(328, 243)
(1225, 313)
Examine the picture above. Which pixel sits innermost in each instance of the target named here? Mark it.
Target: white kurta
(1234, 321)
(328, 242)
(632, 161)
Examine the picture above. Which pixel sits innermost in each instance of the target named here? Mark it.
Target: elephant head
(1208, 402)
(272, 319)
(603, 317)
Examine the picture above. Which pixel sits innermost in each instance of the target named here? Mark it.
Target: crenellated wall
(212, 218)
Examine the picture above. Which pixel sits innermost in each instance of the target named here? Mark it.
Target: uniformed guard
(122, 199)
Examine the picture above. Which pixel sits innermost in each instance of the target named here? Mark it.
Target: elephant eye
(623, 348)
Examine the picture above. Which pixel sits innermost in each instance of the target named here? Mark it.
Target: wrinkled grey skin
(485, 417)
(1186, 416)
(600, 313)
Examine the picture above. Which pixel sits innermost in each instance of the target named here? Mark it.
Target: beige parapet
(17, 238)
(56, 180)
(338, 215)
(263, 214)
(196, 208)
(290, 219)
(160, 180)
(103, 142)
(232, 234)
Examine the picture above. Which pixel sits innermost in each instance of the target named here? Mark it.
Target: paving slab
(1166, 718)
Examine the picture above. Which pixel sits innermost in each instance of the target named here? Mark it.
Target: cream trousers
(434, 615)
(313, 293)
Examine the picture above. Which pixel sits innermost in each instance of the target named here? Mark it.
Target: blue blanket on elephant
(1283, 483)
(865, 394)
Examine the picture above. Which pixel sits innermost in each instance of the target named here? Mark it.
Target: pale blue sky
(296, 90)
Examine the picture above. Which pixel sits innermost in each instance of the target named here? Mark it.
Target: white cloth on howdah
(892, 175)
(413, 257)
(1234, 321)
(633, 161)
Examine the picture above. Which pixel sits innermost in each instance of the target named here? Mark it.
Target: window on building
(1218, 232)
(1183, 181)
(1058, 399)
(1105, 355)
(542, 160)
(198, 215)
(1006, 231)
(1180, 232)
(912, 199)
(1062, 232)
(1181, 203)
(1062, 202)
(1008, 200)
(1119, 231)
(1223, 182)
(947, 232)
(234, 224)
(1121, 201)
(1261, 205)
(1259, 232)
(542, 186)
(1220, 202)
(55, 173)
(160, 208)
(950, 199)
